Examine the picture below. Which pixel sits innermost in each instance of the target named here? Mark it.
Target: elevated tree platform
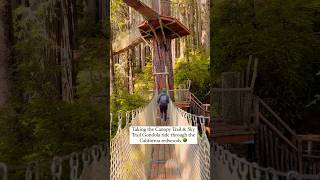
(169, 26)
(159, 27)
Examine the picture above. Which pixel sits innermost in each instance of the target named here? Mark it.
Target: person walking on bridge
(163, 101)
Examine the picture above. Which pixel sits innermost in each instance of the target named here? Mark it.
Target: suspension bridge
(205, 160)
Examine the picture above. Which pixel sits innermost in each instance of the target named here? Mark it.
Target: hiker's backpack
(164, 99)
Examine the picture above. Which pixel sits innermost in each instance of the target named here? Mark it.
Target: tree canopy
(284, 36)
(38, 122)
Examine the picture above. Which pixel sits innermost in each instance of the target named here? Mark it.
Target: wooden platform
(164, 164)
(228, 134)
(183, 105)
(170, 26)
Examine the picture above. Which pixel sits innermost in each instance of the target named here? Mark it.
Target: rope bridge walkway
(164, 163)
(145, 161)
(182, 161)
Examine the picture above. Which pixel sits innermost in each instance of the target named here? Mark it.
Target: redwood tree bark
(6, 40)
(143, 55)
(162, 55)
(66, 53)
(130, 70)
(92, 10)
(60, 29)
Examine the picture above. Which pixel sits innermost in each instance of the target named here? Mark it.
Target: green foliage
(316, 97)
(144, 80)
(119, 13)
(121, 100)
(33, 73)
(36, 123)
(45, 129)
(92, 67)
(280, 33)
(196, 69)
(122, 103)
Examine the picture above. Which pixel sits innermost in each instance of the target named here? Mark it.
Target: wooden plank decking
(164, 164)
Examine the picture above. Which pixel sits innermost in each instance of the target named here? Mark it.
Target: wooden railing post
(256, 112)
(256, 126)
(300, 154)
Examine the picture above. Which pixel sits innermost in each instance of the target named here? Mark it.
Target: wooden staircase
(185, 105)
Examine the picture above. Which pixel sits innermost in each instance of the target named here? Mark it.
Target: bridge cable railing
(193, 159)
(132, 161)
(88, 163)
(226, 165)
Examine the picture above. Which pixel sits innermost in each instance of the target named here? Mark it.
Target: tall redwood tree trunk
(6, 40)
(162, 55)
(130, 71)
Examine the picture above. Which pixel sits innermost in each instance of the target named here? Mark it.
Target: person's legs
(165, 112)
(161, 112)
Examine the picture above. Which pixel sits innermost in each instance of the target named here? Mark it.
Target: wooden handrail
(309, 137)
(197, 102)
(230, 89)
(311, 156)
(277, 131)
(304, 156)
(173, 90)
(195, 99)
(277, 117)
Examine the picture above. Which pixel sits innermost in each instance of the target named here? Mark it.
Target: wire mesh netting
(90, 163)
(132, 161)
(229, 166)
(193, 159)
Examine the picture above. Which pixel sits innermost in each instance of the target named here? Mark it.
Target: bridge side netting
(227, 165)
(130, 161)
(90, 163)
(193, 159)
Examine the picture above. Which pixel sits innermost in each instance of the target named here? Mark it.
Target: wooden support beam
(142, 8)
(165, 25)
(230, 89)
(163, 73)
(255, 72)
(248, 71)
(245, 138)
(161, 27)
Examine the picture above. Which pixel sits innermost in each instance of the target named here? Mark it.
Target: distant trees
(283, 35)
(59, 75)
(124, 18)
